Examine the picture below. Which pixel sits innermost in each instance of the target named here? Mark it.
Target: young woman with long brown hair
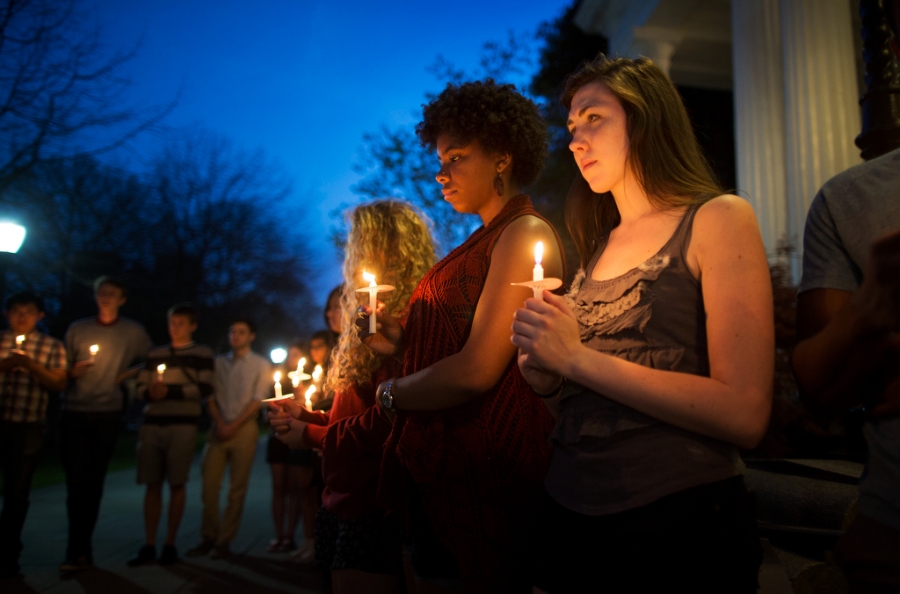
(661, 356)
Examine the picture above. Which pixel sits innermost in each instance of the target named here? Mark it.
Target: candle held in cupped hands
(538, 283)
(373, 289)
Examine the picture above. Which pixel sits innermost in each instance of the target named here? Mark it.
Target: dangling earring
(499, 186)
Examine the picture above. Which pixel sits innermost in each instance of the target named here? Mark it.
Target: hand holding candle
(373, 290)
(538, 283)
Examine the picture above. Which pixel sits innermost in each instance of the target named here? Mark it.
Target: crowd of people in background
(475, 437)
(177, 382)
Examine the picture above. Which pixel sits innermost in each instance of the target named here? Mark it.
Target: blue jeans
(20, 444)
(87, 441)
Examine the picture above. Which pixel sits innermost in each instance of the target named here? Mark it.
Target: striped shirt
(189, 376)
(22, 398)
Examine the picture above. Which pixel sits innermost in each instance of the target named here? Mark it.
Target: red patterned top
(477, 466)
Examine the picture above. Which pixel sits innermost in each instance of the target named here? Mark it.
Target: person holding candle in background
(29, 371)
(355, 541)
(660, 357)
(286, 470)
(243, 379)
(470, 434)
(321, 344)
(168, 438)
(100, 350)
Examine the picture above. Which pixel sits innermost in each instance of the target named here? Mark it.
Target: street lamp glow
(11, 237)
(278, 355)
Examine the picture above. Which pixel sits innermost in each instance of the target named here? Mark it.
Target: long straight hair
(663, 150)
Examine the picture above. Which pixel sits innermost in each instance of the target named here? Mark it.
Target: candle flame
(160, 368)
(538, 252)
(369, 277)
(277, 376)
(310, 391)
(301, 364)
(94, 349)
(317, 373)
(20, 339)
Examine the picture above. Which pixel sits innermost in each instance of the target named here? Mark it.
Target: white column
(821, 103)
(759, 118)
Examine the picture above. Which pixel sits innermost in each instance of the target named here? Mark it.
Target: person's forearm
(830, 364)
(251, 410)
(214, 412)
(52, 379)
(450, 382)
(697, 403)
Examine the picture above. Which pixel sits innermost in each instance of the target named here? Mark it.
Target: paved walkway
(120, 533)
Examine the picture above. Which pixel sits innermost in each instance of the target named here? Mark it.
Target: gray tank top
(608, 457)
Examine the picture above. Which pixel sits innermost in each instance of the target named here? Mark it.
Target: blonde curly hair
(392, 240)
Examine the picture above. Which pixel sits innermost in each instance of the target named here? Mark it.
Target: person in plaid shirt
(29, 370)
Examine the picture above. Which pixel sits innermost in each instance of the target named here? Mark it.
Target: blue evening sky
(303, 80)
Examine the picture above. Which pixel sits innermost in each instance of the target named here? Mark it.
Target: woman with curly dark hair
(468, 449)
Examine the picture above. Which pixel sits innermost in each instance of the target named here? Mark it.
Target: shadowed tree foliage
(207, 223)
(61, 93)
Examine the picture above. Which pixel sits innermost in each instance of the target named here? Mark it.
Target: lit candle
(309, 392)
(373, 290)
(277, 384)
(298, 375)
(160, 370)
(538, 283)
(94, 350)
(317, 373)
(19, 340)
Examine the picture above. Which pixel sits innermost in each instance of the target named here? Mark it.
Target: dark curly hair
(498, 116)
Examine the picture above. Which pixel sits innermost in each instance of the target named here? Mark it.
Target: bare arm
(844, 334)
(479, 365)
(734, 403)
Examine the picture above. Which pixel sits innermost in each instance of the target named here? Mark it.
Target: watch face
(386, 399)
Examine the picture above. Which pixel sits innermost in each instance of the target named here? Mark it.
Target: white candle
(298, 375)
(373, 293)
(317, 373)
(538, 274)
(309, 392)
(94, 350)
(277, 384)
(160, 370)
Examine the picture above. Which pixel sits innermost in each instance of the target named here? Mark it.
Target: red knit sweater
(477, 466)
(351, 436)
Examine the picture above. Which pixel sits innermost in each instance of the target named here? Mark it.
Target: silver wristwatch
(387, 398)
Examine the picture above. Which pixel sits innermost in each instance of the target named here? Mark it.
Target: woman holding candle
(470, 435)
(287, 479)
(661, 355)
(354, 538)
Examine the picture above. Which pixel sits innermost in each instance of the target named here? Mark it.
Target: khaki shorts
(165, 452)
